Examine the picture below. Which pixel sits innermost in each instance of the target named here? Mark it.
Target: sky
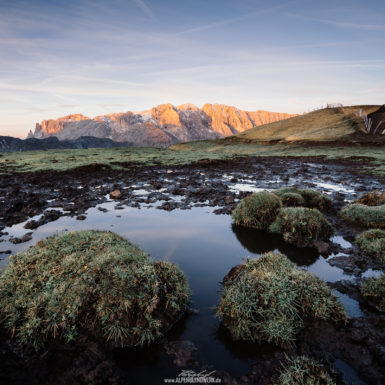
(95, 57)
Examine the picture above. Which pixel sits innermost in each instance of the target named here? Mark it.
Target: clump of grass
(90, 281)
(258, 210)
(302, 226)
(373, 198)
(303, 370)
(365, 216)
(374, 290)
(268, 299)
(292, 199)
(372, 242)
(310, 198)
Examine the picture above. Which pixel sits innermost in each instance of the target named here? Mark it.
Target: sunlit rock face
(166, 115)
(229, 120)
(162, 126)
(51, 126)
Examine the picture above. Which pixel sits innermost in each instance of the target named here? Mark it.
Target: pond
(206, 247)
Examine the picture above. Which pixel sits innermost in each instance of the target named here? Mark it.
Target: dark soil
(28, 194)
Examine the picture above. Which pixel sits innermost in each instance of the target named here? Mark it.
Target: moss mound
(90, 281)
(304, 370)
(365, 216)
(268, 299)
(374, 290)
(372, 242)
(373, 198)
(310, 198)
(302, 226)
(258, 210)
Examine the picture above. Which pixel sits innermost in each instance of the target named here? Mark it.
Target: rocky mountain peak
(163, 125)
(166, 114)
(187, 107)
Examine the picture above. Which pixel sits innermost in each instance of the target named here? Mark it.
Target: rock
(229, 199)
(227, 119)
(322, 247)
(25, 238)
(116, 194)
(81, 217)
(345, 263)
(52, 215)
(31, 225)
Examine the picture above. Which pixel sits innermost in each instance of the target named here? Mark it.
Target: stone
(116, 194)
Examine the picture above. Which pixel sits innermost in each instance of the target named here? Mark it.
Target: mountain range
(10, 144)
(161, 126)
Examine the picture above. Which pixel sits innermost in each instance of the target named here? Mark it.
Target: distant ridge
(10, 144)
(161, 126)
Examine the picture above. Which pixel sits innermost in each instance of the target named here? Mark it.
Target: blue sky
(93, 57)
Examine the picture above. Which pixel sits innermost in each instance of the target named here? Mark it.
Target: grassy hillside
(329, 124)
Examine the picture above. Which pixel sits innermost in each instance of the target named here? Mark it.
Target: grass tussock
(268, 299)
(373, 198)
(90, 281)
(291, 199)
(258, 210)
(372, 242)
(302, 226)
(364, 216)
(295, 197)
(374, 290)
(303, 370)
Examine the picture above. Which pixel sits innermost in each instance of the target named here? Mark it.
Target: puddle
(245, 187)
(334, 187)
(339, 240)
(352, 307)
(350, 376)
(140, 192)
(370, 273)
(326, 272)
(205, 246)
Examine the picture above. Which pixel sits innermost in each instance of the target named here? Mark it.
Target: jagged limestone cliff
(163, 125)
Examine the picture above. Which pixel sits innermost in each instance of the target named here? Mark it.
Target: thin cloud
(107, 106)
(367, 27)
(233, 20)
(145, 8)
(341, 24)
(69, 106)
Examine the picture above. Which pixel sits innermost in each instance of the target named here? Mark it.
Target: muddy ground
(48, 195)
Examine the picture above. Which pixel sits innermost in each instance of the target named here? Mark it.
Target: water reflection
(136, 357)
(244, 349)
(259, 242)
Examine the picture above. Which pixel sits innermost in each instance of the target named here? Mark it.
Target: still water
(206, 247)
